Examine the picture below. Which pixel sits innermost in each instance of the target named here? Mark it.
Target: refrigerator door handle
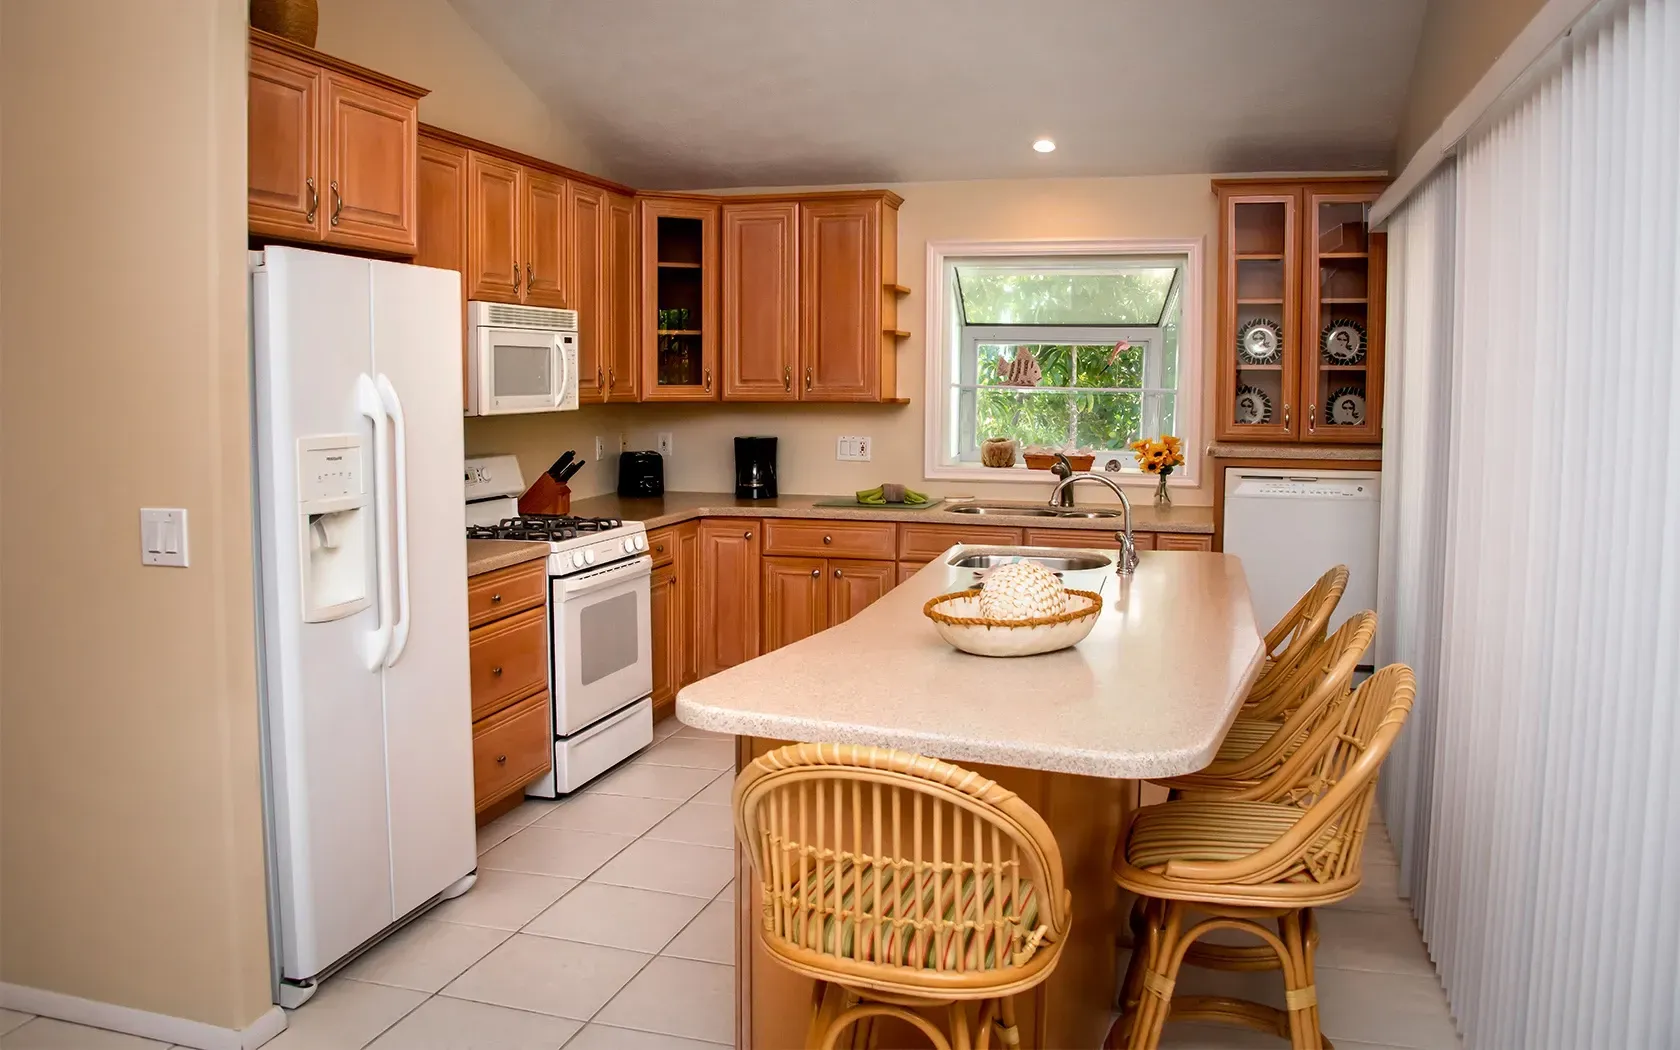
(399, 424)
(561, 371)
(377, 642)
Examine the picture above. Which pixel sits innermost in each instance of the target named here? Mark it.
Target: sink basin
(980, 508)
(1053, 562)
(1086, 513)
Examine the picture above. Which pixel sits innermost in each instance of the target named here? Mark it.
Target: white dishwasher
(1289, 526)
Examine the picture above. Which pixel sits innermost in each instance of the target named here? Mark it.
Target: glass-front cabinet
(679, 299)
(1300, 312)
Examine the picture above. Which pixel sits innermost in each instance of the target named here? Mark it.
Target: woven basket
(296, 20)
(957, 618)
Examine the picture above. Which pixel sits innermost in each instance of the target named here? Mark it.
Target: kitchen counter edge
(489, 555)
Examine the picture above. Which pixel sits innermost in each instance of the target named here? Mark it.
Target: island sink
(1053, 562)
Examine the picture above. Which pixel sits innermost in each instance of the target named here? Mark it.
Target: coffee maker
(755, 468)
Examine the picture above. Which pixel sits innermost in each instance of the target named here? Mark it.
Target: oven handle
(600, 579)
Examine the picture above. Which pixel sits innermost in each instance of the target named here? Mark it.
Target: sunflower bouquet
(1159, 456)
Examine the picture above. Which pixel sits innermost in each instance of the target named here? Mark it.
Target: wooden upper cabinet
(494, 269)
(795, 600)
(840, 288)
(283, 146)
(543, 204)
(728, 593)
(441, 220)
(586, 219)
(760, 296)
(677, 311)
(853, 585)
(332, 150)
(1343, 284)
(618, 328)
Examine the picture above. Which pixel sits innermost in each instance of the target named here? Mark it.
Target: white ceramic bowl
(958, 620)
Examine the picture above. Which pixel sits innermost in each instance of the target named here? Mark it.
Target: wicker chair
(903, 885)
(1281, 683)
(1255, 750)
(1244, 861)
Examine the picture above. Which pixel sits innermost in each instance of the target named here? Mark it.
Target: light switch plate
(665, 443)
(163, 536)
(852, 448)
(600, 448)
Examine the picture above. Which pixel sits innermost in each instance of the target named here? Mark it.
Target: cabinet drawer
(493, 595)
(511, 749)
(662, 544)
(926, 542)
(1101, 539)
(508, 659)
(829, 539)
(1183, 541)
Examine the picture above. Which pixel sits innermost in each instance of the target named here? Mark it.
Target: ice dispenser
(335, 522)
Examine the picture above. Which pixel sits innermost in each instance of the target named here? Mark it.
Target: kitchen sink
(1053, 562)
(1086, 513)
(1032, 512)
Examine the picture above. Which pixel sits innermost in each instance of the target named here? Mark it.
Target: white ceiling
(715, 93)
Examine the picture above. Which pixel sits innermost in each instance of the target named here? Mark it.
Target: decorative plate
(1260, 342)
(1343, 342)
(1253, 406)
(1346, 408)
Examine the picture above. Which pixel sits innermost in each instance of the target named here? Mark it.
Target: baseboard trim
(178, 1031)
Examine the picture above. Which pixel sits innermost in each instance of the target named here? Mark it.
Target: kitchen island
(1149, 693)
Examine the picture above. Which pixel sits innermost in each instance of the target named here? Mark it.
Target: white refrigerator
(363, 607)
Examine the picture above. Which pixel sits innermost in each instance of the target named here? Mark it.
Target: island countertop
(1149, 693)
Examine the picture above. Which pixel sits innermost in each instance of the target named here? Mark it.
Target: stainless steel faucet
(1062, 496)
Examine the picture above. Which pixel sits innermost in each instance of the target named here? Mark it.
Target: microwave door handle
(561, 369)
(377, 642)
(399, 422)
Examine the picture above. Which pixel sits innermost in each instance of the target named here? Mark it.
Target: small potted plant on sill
(1158, 457)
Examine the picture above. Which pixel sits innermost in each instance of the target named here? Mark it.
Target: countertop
(1149, 693)
(676, 507)
(489, 555)
(1351, 452)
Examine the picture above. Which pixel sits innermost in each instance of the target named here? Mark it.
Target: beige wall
(1157, 207)
(1461, 39)
(472, 90)
(130, 813)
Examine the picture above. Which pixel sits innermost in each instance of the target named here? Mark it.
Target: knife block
(546, 496)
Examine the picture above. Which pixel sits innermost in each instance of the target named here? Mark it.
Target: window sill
(1020, 475)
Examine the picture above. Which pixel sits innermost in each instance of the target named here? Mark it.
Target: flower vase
(1162, 498)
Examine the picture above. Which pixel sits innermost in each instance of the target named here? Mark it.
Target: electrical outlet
(665, 443)
(623, 441)
(600, 448)
(852, 448)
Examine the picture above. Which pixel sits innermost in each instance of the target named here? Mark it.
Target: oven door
(524, 370)
(602, 647)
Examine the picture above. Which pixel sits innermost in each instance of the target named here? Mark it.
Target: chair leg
(1155, 1002)
(1009, 1036)
(1300, 992)
(865, 1011)
(957, 1013)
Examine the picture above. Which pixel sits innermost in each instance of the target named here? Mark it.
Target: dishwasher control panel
(1305, 486)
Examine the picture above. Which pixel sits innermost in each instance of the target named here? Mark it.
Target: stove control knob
(589, 557)
(641, 542)
(577, 559)
(629, 545)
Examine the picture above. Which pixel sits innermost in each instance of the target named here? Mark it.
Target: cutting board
(853, 504)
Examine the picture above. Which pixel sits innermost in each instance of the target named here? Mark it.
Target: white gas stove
(600, 639)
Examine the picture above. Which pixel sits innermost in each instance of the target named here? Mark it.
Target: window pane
(1031, 417)
(1108, 422)
(1054, 363)
(1013, 295)
(1104, 366)
(1169, 340)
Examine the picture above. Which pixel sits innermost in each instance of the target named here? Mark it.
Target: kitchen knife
(571, 471)
(560, 464)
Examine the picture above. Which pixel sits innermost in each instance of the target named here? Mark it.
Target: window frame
(947, 335)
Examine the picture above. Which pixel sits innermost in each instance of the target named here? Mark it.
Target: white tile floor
(605, 922)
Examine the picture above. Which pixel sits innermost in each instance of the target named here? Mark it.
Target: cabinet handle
(837, 574)
(1312, 416)
(495, 599)
(659, 548)
(807, 377)
(787, 377)
(746, 535)
(599, 385)
(516, 277)
(1286, 415)
(708, 380)
(314, 200)
(497, 671)
(501, 760)
(338, 201)
(815, 573)
(612, 378)
(828, 539)
(530, 280)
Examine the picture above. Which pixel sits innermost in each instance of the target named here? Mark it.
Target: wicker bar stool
(1243, 861)
(1289, 642)
(1255, 749)
(901, 883)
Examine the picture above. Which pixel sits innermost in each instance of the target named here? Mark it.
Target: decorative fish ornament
(1022, 371)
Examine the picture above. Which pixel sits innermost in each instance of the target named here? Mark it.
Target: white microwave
(521, 359)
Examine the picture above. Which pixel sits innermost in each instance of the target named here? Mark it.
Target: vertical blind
(1539, 447)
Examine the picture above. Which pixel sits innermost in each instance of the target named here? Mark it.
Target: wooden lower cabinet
(511, 748)
(728, 599)
(1183, 541)
(802, 596)
(507, 657)
(688, 598)
(1100, 539)
(676, 572)
(853, 585)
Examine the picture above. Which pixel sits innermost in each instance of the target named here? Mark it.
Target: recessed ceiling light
(1044, 146)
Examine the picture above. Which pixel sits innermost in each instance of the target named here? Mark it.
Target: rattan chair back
(1290, 641)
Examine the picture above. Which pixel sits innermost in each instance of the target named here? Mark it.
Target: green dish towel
(881, 495)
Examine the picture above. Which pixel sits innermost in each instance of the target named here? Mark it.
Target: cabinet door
(493, 267)
(688, 564)
(854, 584)
(1343, 282)
(1259, 324)
(760, 302)
(372, 137)
(728, 595)
(1183, 541)
(665, 614)
(676, 322)
(618, 323)
(441, 222)
(795, 597)
(586, 218)
(840, 336)
(283, 165)
(542, 214)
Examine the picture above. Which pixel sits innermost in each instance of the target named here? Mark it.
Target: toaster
(641, 474)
